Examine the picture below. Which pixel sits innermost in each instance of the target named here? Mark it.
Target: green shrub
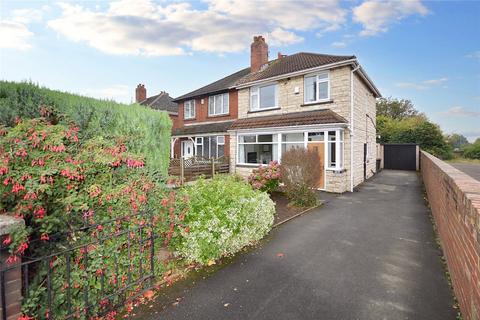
(472, 151)
(147, 131)
(224, 215)
(300, 171)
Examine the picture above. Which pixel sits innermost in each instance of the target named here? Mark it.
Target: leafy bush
(225, 214)
(266, 178)
(147, 131)
(68, 192)
(300, 171)
(472, 151)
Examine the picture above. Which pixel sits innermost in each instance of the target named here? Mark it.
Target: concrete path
(472, 169)
(366, 255)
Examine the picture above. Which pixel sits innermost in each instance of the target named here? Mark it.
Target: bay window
(257, 149)
(263, 97)
(189, 109)
(317, 87)
(292, 140)
(218, 104)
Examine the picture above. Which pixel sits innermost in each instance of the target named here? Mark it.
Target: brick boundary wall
(454, 199)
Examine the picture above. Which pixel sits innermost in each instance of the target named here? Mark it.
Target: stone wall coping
(9, 224)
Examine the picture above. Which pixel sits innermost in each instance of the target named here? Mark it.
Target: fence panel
(195, 167)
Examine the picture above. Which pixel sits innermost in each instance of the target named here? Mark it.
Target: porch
(189, 169)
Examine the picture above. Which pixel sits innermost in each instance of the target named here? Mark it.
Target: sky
(425, 51)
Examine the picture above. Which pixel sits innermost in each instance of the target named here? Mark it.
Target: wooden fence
(191, 168)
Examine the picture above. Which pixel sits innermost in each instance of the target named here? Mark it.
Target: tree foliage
(472, 151)
(146, 131)
(457, 141)
(399, 122)
(398, 109)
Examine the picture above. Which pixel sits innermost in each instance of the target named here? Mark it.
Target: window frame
(317, 90)
(191, 107)
(212, 99)
(255, 91)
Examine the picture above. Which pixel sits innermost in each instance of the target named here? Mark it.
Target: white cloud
(117, 92)
(474, 55)
(27, 15)
(376, 16)
(458, 111)
(423, 85)
(143, 27)
(339, 44)
(14, 35)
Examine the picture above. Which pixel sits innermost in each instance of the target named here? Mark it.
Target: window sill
(248, 165)
(218, 115)
(337, 170)
(318, 103)
(189, 119)
(262, 110)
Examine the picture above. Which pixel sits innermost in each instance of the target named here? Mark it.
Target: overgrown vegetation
(224, 215)
(399, 122)
(472, 151)
(68, 193)
(146, 131)
(300, 171)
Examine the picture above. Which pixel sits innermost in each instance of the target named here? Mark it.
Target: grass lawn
(464, 160)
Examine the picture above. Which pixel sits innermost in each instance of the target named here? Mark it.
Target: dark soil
(284, 211)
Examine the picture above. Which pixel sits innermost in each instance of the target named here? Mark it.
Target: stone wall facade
(454, 198)
(291, 99)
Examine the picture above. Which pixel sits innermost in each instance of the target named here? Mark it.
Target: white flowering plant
(224, 215)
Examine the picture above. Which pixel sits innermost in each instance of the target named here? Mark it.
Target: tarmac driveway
(472, 169)
(366, 255)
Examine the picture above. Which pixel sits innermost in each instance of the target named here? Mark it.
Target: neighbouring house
(161, 101)
(325, 103)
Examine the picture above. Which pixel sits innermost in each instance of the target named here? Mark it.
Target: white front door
(187, 149)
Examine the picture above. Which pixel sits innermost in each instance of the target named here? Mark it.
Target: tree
(396, 108)
(457, 141)
(473, 151)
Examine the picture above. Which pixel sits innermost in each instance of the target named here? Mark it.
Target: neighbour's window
(317, 87)
(189, 109)
(218, 104)
(263, 97)
(210, 146)
(257, 149)
(335, 149)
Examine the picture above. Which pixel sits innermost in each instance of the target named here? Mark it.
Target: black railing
(89, 271)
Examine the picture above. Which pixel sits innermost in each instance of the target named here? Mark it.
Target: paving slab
(370, 254)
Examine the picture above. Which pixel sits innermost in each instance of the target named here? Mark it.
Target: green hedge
(147, 131)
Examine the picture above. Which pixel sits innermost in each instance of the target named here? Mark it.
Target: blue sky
(425, 51)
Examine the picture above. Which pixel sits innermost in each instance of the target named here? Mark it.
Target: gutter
(351, 126)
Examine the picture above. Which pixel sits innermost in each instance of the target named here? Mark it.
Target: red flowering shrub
(266, 178)
(85, 196)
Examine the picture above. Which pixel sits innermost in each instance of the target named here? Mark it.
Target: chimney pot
(140, 93)
(258, 53)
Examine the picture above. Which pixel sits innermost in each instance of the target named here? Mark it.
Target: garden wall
(454, 198)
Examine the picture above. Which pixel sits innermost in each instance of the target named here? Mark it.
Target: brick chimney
(140, 93)
(258, 53)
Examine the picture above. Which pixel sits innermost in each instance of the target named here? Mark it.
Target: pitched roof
(217, 127)
(217, 86)
(296, 62)
(161, 101)
(326, 116)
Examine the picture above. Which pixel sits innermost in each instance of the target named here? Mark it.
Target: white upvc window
(334, 149)
(317, 87)
(189, 109)
(264, 97)
(257, 148)
(218, 104)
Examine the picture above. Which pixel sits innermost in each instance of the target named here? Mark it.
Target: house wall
(201, 110)
(363, 129)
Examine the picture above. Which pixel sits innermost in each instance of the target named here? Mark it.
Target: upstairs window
(317, 87)
(263, 97)
(218, 105)
(189, 109)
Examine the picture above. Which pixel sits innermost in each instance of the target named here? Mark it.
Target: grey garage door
(400, 156)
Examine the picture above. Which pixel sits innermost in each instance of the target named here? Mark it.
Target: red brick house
(161, 101)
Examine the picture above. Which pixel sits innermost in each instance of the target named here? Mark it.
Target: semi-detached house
(324, 103)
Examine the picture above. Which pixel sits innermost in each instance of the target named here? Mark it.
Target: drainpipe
(351, 126)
